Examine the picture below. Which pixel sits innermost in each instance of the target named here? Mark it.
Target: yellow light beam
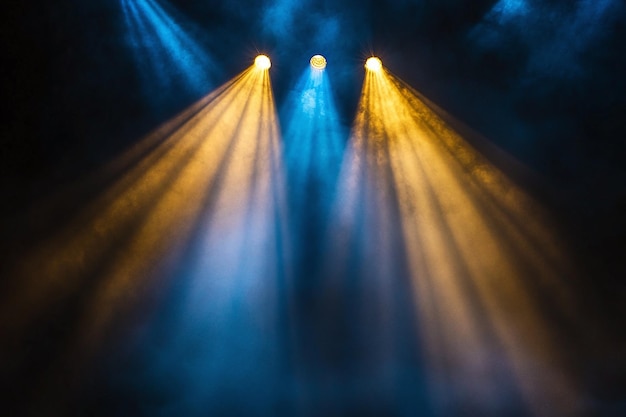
(483, 256)
(214, 172)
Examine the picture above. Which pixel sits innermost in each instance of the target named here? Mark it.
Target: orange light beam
(484, 259)
(204, 191)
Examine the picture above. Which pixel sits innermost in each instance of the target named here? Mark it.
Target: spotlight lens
(318, 62)
(373, 64)
(262, 62)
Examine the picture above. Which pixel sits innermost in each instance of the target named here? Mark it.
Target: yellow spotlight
(373, 64)
(318, 62)
(262, 62)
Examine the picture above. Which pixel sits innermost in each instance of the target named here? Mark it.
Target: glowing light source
(318, 62)
(262, 62)
(373, 64)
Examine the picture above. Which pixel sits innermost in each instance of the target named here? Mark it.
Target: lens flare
(318, 62)
(262, 62)
(373, 64)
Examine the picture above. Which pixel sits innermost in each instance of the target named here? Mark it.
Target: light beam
(483, 257)
(166, 56)
(314, 142)
(190, 218)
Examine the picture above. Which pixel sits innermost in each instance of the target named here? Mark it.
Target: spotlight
(262, 62)
(318, 62)
(373, 64)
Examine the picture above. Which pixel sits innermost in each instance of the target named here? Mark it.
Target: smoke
(557, 34)
(278, 18)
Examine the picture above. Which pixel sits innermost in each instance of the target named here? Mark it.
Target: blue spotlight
(167, 58)
(314, 142)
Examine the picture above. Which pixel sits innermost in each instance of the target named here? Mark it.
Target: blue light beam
(167, 57)
(314, 141)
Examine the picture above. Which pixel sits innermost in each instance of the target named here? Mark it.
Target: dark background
(541, 79)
